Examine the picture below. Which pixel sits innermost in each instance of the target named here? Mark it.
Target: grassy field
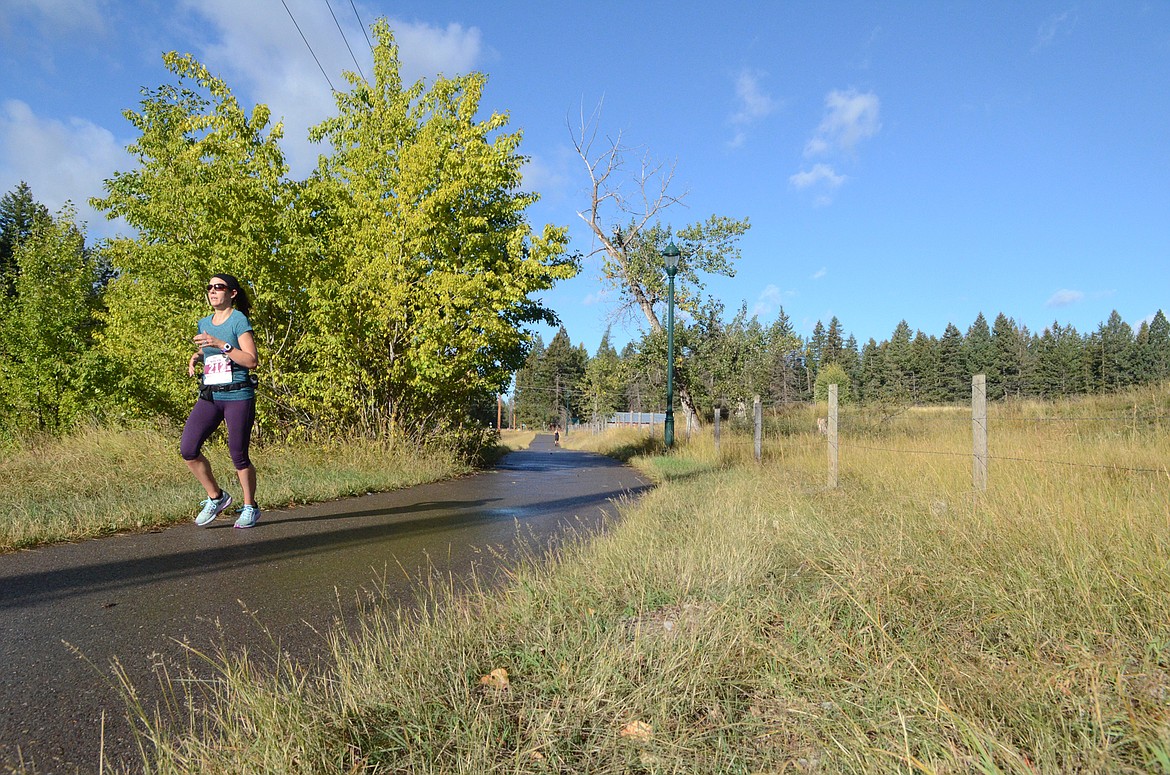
(744, 618)
(100, 482)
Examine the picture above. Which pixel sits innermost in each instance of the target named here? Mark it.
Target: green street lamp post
(670, 257)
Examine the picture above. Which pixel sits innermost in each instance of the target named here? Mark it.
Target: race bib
(217, 370)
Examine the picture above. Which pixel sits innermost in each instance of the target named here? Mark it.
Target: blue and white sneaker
(249, 516)
(212, 507)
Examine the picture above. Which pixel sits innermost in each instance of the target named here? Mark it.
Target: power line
(315, 59)
(351, 55)
(361, 24)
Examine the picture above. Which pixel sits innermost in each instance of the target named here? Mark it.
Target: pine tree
(785, 360)
(1007, 363)
(851, 363)
(873, 371)
(898, 363)
(955, 382)
(602, 385)
(815, 354)
(535, 395)
(833, 345)
(978, 355)
(1111, 355)
(19, 214)
(1156, 348)
(926, 369)
(564, 367)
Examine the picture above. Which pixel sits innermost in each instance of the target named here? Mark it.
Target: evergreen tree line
(391, 289)
(728, 363)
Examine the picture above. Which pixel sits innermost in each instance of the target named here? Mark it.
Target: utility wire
(361, 24)
(315, 59)
(351, 55)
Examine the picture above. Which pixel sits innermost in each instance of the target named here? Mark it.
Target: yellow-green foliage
(745, 618)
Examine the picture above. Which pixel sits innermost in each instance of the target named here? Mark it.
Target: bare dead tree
(624, 214)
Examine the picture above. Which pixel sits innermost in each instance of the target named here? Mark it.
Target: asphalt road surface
(68, 611)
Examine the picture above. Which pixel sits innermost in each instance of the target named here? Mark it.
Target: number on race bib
(217, 370)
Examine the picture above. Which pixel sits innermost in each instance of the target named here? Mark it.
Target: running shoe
(212, 507)
(249, 516)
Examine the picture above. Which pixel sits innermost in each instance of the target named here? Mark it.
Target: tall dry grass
(746, 618)
(100, 481)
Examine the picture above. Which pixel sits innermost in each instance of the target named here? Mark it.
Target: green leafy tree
(431, 265)
(833, 374)
(208, 196)
(51, 372)
(738, 361)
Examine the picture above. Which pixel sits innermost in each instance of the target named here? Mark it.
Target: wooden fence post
(718, 414)
(832, 436)
(759, 416)
(979, 430)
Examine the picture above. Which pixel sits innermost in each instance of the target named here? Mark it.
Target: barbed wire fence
(853, 432)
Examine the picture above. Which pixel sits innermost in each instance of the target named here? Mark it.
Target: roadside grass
(101, 481)
(516, 439)
(744, 618)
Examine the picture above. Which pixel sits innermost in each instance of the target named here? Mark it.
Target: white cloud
(59, 159)
(541, 177)
(59, 15)
(599, 295)
(260, 48)
(850, 117)
(821, 175)
(752, 105)
(817, 275)
(768, 301)
(1057, 25)
(1064, 297)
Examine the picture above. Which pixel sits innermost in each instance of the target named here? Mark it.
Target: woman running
(227, 395)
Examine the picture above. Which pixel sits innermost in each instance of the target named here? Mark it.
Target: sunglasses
(216, 287)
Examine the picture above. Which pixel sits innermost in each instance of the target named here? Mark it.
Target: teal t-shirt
(214, 359)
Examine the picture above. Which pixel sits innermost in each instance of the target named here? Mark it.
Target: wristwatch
(227, 347)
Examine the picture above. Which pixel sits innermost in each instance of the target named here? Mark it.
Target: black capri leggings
(206, 416)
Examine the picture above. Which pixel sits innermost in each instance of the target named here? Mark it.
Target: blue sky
(924, 160)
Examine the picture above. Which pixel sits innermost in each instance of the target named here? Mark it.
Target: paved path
(67, 611)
